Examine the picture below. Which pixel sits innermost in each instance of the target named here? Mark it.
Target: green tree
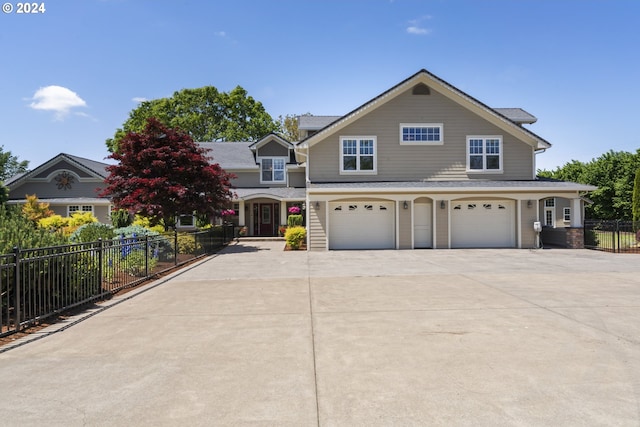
(10, 165)
(205, 114)
(613, 173)
(288, 127)
(162, 173)
(636, 197)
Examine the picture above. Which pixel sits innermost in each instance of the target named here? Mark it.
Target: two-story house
(425, 165)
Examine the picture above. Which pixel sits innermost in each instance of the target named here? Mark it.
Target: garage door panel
(361, 225)
(483, 224)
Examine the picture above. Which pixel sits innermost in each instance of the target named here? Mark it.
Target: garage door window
(358, 155)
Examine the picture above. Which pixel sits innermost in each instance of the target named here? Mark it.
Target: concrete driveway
(261, 337)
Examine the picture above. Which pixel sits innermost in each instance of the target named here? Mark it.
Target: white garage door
(361, 225)
(483, 224)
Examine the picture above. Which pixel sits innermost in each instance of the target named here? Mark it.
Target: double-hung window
(484, 153)
(272, 169)
(421, 134)
(358, 154)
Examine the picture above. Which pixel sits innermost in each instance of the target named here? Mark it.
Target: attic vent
(421, 89)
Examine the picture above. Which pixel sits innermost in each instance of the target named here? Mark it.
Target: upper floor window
(272, 169)
(76, 208)
(358, 154)
(484, 153)
(421, 133)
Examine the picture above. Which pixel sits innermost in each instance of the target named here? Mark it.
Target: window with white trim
(272, 169)
(186, 221)
(566, 214)
(358, 154)
(77, 208)
(484, 153)
(421, 134)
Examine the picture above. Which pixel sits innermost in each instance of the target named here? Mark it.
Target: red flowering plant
(294, 210)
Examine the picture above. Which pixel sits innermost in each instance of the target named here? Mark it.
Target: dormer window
(272, 169)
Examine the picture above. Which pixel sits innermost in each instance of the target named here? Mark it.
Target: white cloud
(417, 30)
(415, 26)
(221, 33)
(58, 99)
(139, 99)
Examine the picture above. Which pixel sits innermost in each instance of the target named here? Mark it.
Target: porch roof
(445, 186)
(279, 193)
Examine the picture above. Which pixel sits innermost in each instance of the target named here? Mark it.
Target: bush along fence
(612, 235)
(39, 283)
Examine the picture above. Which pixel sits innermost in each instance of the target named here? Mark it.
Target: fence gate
(612, 235)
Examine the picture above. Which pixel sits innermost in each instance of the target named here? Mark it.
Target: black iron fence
(39, 283)
(612, 235)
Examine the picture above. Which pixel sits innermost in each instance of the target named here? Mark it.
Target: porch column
(283, 214)
(241, 219)
(576, 213)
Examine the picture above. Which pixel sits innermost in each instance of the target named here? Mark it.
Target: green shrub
(187, 244)
(18, 230)
(120, 218)
(135, 263)
(92, 232)
(294, 220)
(295, 236)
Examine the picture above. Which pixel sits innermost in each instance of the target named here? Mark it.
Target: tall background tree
(636, 198)
(613, 173)
(206, 114)
(162, 173)
(10, 165)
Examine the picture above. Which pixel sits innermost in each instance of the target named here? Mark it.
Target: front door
(266, 219)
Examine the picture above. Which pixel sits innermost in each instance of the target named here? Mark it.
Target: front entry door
(266, 219)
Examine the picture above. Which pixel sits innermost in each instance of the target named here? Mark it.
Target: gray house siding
(397, 162)
(405, 231)
(272, 149)
(441, 226)
(528, 216)
(317, 222)
(251, 179)
(49, 189)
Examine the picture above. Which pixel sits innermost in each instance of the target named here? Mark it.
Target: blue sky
(70, 76)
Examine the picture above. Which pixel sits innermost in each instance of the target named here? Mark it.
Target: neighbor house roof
(231, 155)
(432, 81)
(94, 167)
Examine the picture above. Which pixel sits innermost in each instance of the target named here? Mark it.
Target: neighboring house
(268, 181)
(425, 165)
(68, 183)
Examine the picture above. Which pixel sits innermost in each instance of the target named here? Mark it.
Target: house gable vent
(421, 89)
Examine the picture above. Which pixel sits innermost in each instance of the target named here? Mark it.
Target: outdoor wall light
(405, 205)
(442, 204)
(529, 204)
(317, 205)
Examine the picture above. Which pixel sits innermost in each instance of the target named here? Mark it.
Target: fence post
(618, 235)
(146, 256)
(16, 288)
(175, 247)
(100, 264)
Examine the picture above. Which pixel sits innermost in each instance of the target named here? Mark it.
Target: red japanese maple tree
(162, 173)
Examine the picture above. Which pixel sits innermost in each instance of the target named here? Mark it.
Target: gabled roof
(268, 138)
(433, 82)
(95, 168)
(517, 115)
(231, 155)
(315, 122)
